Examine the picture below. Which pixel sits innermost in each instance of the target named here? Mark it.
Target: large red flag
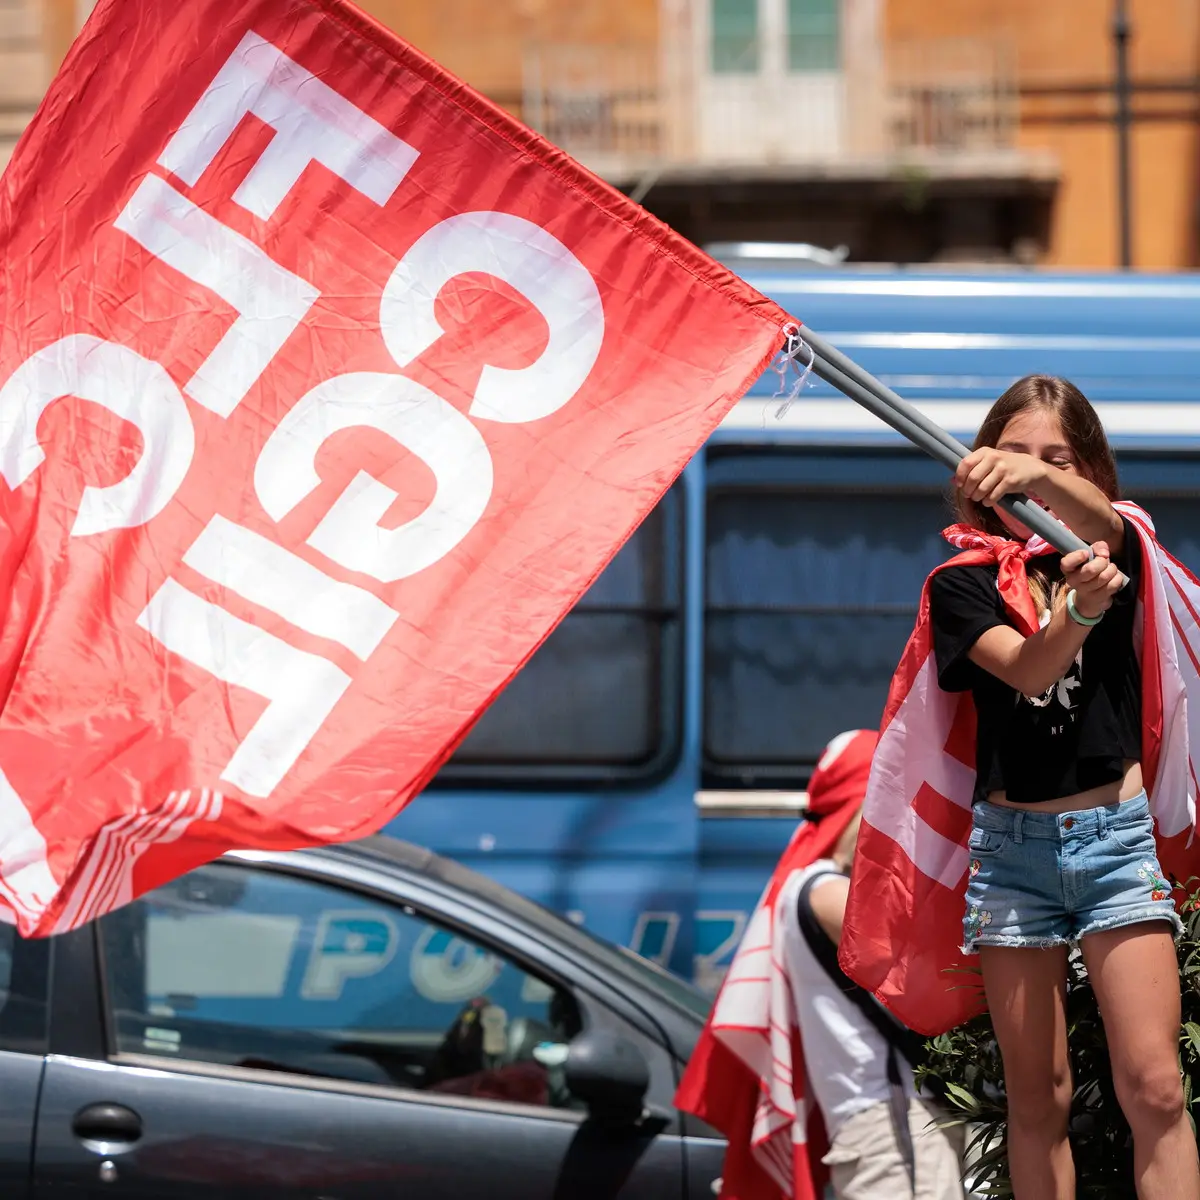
(325, 389)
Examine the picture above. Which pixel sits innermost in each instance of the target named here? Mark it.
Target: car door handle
(109, 1123)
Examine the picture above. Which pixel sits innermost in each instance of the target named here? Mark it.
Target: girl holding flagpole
(1062, 847)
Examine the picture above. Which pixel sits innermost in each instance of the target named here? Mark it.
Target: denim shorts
(1048, 879)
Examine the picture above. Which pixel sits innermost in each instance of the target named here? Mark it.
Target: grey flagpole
(861, 386)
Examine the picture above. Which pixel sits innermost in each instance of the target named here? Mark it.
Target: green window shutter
(814, 42)
(734, 36)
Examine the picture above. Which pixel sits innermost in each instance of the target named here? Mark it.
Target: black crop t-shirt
(1079, 733)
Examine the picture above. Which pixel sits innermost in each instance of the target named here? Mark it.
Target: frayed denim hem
(1014, 940)
(1136, 917)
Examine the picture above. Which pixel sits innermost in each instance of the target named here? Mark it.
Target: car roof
(417, 860)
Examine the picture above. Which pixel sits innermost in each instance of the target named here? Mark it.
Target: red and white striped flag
(903, 930)
(746, 1076)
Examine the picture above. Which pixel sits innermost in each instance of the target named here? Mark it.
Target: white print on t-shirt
(1060, 691)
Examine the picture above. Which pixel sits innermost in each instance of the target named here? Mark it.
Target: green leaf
(1192, 1031)
(961, 1097)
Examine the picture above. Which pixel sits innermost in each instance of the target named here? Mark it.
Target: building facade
(1064, 68)
(767, 120)
(901, 130)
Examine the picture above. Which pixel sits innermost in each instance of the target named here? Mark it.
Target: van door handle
(107, 1123)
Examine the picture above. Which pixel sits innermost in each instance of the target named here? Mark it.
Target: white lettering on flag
(312, 123)
(269, 301)
(421, 421)
(302, 688)
(132, 387)
(533, 262)
(263, 572)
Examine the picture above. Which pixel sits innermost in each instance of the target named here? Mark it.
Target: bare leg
(1026, 993)
(1135, 975)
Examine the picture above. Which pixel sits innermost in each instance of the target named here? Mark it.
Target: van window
(813, 570)
(599, 700)
(812, 592)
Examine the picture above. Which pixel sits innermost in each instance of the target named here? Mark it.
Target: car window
(24, 991)
(247, 968)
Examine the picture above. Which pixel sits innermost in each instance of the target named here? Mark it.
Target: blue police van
(645, 769)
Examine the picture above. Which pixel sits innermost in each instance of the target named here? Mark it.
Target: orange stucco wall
(1070, 41)
(483, 40)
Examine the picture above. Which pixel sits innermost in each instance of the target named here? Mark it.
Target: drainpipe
(1120, 33)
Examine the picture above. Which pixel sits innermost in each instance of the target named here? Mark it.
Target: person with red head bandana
(804, 1074)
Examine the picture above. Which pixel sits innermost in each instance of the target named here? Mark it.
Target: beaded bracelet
(1077, 616)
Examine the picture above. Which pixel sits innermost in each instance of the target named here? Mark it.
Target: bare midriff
(1116, 792)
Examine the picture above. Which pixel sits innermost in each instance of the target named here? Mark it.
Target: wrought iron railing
(590, 100)
(951, 95)
(647, 103)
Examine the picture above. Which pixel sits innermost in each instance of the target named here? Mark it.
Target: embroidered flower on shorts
(1160, 889)
(977, 918)
(976, 866)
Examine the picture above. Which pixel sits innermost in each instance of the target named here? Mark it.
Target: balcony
(633, 112)
(950, 98)
(606, 106)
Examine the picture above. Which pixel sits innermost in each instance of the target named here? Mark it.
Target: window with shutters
(813, 35)
(735, 36)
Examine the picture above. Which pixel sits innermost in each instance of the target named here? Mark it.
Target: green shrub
(966, 1064)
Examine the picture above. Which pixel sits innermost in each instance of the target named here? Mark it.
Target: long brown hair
(1084, 433)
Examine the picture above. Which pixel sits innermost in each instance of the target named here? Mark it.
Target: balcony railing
(951, 96)
(600, 103)
(626, 108)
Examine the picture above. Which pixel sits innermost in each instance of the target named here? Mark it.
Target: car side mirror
(608, 1074)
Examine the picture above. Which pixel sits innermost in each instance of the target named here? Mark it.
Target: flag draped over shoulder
(326, 388)
(746, 1075)
(903, 926)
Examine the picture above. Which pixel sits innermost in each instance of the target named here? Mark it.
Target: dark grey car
(357, 1021)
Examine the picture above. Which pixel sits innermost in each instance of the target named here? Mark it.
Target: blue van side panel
(639, 865)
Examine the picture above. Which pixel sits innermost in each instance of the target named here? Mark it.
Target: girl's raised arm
(986, 475)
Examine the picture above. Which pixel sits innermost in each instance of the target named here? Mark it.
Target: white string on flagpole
(788, 360)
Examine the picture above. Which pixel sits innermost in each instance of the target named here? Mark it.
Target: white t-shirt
(844, 1056)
